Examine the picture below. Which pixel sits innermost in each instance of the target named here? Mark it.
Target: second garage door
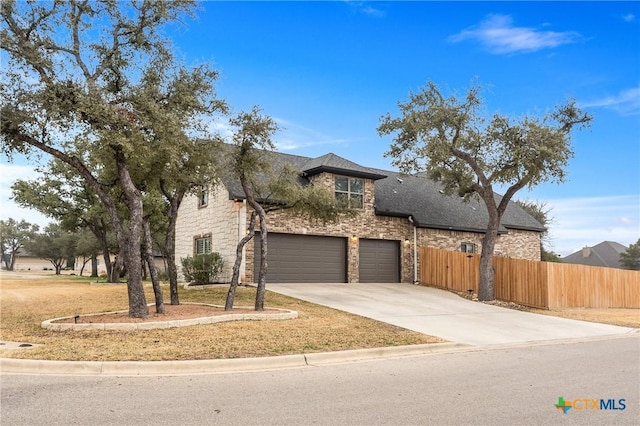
(379, 261)
(303, 259)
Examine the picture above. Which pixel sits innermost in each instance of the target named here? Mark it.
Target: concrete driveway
(444, 314)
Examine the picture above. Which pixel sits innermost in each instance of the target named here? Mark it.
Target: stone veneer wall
(364, 225)
(516, 243)
(221, 218)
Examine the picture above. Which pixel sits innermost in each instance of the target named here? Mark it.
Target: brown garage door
(303, 259)
(379, 261)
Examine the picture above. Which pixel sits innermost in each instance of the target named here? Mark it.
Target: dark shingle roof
(425, 200)
(606, 254)
(332, 163)
(404, 196)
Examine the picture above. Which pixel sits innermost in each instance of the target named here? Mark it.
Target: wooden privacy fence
(538, 284)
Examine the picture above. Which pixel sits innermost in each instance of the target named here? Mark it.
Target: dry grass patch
(625, 317)
(26, 302)
(613, 316)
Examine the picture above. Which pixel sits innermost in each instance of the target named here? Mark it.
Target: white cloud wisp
(498, 34)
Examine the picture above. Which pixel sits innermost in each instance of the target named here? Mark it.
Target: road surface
(494, 385)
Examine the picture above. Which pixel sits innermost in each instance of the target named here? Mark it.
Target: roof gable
(332, 163)
(606, 254)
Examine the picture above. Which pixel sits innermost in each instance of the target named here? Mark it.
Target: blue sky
(327, 72)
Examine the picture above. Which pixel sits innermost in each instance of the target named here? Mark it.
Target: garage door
(303, 259)
(379, 261)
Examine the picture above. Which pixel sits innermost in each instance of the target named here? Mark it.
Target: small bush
(203, 268)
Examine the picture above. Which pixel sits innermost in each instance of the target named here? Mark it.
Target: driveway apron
(441, 313)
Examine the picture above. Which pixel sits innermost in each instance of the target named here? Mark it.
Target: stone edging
(54, 326)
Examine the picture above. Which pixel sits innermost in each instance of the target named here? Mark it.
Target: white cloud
(580, 222)
(9, 173)
(498, 34)
(629, 17)
(366, 8)
(292, 136)
(626, 102)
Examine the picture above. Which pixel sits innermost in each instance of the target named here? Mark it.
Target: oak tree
(471, 154)
(13, 236)
(95, 83)
(54, 244)
(61, 194)
(630, 258)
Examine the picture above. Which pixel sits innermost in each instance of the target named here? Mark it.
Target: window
(468, 247)
(203, 198)
(203, 245)
(350, 191)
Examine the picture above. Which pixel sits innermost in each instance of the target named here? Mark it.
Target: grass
(624, 317)
(614, 316)
(26, 302)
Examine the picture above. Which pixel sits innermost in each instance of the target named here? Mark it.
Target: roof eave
(346, 172)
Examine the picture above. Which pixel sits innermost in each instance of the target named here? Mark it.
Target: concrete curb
(216, 366)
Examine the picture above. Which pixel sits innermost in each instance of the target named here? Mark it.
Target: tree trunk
(115, 270)
(84, 263)
(486, 290)
(169, 242)
(236, 266)
(101, 235)
(137, 300)
(153, 271)
(172, 271)
(262, 275)
(94, 265)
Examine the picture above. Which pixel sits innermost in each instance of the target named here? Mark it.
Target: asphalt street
(493, 385)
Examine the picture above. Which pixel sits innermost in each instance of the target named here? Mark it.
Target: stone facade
(222, 219)
(226, 221)
(516, 243)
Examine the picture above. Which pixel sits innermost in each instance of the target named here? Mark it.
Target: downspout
(415, 251)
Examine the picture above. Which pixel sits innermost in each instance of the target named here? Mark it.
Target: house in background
(396, 215)
(606, 254)
(25, 261)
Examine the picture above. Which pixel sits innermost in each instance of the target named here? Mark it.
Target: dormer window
(350, 191)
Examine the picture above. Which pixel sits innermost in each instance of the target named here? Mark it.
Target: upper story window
(203, 245)
(350, 191)
(468, 247)
(203, 197)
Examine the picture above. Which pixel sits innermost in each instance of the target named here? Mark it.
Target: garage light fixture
(354, 238)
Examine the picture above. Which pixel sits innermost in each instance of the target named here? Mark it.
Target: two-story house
(396, 215)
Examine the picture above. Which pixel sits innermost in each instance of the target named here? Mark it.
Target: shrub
(203, 268)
